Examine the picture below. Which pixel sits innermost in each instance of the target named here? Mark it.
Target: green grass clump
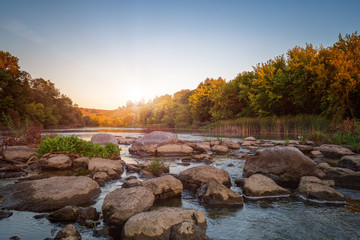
(155, 166)
(76, 145)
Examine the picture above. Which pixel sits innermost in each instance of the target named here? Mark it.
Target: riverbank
(285, 212)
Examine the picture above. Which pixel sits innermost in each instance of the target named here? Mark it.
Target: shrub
(76, 145)
(155, 166)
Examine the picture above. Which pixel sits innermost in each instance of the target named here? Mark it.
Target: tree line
(37, 101)
(306, 80)
(321, 81)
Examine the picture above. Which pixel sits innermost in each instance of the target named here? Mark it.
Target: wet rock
(200, 146)
(6, 175)
(221, 149)
(49, 194)
(68, 233)
(286, 165)
(334, 151)
(88, 213)
(58, 162)
(65, 214)
(103, 165)
(323, 165)
(316, 154)
(132, 183)
(164, 187)
(101, 182)
(202, 157)
(232, 145)
(174, 150)
(215, 193)
(130, 168)
(265, 205)
(192, 178)
(261, 186)
(148, 144)
(231, 165)
(304, 148)
(15, 238)
(351, 162)
(343, 177)
(267, 145)
(158, 224)
(101, 175)
(103, 139)
(187, 231)
(5, 214)
(312, 188)
(122, 203)
(131, 177)
(17, 153)
(102, 232)
(81, 162)
(240, 182)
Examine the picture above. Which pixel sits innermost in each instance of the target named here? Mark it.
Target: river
(286, 218)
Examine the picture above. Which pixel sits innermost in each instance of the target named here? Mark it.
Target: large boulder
(58, 162)
(286, 165)
(164, 187)
(194, 177)
(314, 189)
(259, 186)
(351, 162)
(49, 194)
(343, 177)
(215, 193)
(103, 139)
(122, 203)
(17, 153)
(148, 144)
(158, 224)
(104, 165)
(174, 150)
(334, 151)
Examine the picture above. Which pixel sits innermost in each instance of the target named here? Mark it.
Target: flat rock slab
(103, 165)
(174, 150)
(49, 194)
(103, 139)
(123, 203)
(194, 177)
(148, 144)
(164, 187)
(334, 151)
(18, 153)
(260, 186)
(314, 189)
(286, 165)
(158, 224)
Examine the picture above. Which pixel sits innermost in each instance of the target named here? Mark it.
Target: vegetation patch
(76, 145)
(155, 166)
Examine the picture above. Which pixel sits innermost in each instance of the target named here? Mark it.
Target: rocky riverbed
(206, 189)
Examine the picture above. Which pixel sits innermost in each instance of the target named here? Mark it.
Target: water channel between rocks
(281, 218)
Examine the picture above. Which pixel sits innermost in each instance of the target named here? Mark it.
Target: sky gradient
(103, 53)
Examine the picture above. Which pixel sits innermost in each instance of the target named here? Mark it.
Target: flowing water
(282, 218)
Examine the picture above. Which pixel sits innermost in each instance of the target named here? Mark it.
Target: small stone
(5, 214)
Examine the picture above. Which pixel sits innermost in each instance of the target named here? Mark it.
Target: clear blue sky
(103, 53)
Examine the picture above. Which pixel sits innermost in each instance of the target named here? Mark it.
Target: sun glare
(135, 96)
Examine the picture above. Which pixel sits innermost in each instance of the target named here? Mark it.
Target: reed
(286, 125)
